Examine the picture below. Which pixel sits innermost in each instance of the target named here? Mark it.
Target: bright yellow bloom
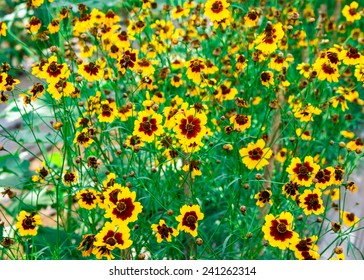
(27, 223)
(350, 12)
(88, 198)
(188, 219)
(3, 28)
(148, 125)
(303, 173)
(278, 231)
(163, 232)
(217, 10)
(349, 219)
(311, 202)
(255, 156)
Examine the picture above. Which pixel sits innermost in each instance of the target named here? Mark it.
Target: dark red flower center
(190, 126)
(217, 7)
(256, 154)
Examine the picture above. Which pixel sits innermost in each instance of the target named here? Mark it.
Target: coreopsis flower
(92, 71)
(324, 177)
(251, 18)
(195, 69)
(338, 176)
(304, 135)
(53, 26)
(163, 232)
(148, 125)
(60, 88)
(34, 3)
(190, 126)
(3, 77)
(36, 91)
(83, 138)
(352, 187)
(147, 4)
(240, 122)
(263, 197)
(268, 40)
(303, 172)
(290, 189)
(356, 144)
(240, 62)
(305, 113)
(278, 231)
(163, 28)
(281, 156)
(107, 111)
(359, 72)
(339, 100)
(3, 28)
(127, 60)
(255, 156)
(267, 78)
(351, 56)
(115, 41)
(28, 223)
(193, 167)
(110, 193)
(279, 62)
(347, 134)
(52, 71)
(70, 178)
(311, 202)
(350, 12)
(87, 244)
(34, 25)
(177, 80)
(111, 18)
(217, 10)
(304, 245)
(327, 71)
(111, 236)
(188, 219)
(10, 82)
(126, 111)
(125, 209)
(305, 69)
(349, 219)
(225, 92)
(179, 12)
(144, 67)
(339, 257)
(41, 173)
(88, 198)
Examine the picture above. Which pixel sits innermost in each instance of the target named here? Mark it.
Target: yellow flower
(278, 231)
(217, 10)
(33, 25)
(82, 138)
(53, 26)
(190, 126)
(52, 71)
(263, 197)
(163, 232)
(113, 236)
(107, 111)
(188, 219)
(92, 71)
(267, 78)
(303, 173)
(240, 122)
(88, 198)
(305, 113)
(125, 209)
(350, 12)
(148, 125)
(349, 219)
(304, 135)
(311, 202)
(281, 155)
(195, 69)
(303, 246)
(27, 223)
(268, 40)
(251, 18)
(255, 156)
(3, 28)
